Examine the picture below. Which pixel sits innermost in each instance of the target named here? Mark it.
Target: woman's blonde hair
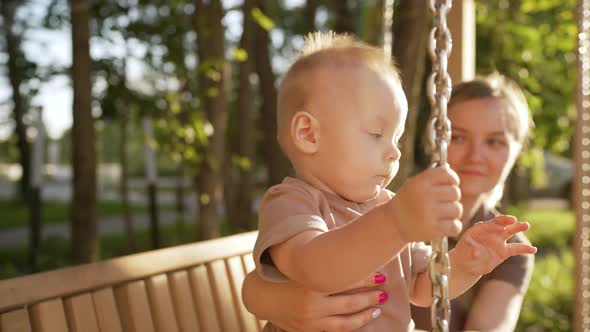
(518, 120)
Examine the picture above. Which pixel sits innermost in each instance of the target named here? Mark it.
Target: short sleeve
(285, 211)
(516, 270)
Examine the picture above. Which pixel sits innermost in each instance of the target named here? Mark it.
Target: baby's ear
(305, 132)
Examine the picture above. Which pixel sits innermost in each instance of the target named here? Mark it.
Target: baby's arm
(332, 261)
(479, 251)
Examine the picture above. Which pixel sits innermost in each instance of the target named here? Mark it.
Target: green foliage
(264, 21)
(549, 302)
(551, 231)
(534, 43)
(240, 55)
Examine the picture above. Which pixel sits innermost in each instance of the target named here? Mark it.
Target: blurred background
(129, 125)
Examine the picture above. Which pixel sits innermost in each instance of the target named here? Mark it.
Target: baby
(341, 113)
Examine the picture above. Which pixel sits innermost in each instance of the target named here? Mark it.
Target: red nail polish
(379, 278)
(383, 297)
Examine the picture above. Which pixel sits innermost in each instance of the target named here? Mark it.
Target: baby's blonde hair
(323, 51)
(518, 120)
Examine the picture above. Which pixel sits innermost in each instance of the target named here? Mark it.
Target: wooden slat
(203, 297)
(186, 312)
(134, 308)
(15, 321)
(106, 310)
(248, 262)
(235, 270)
(80, 314)
(161, 304)
(15, 293)
(222, 293)
(49, 316)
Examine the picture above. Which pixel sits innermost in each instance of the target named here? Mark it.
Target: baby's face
(362, 116)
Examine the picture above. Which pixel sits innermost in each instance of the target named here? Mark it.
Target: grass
(55, 251)
(551, 230)
(14, 214)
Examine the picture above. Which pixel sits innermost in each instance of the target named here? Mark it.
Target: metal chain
(439, 91)
(582, 185)
(387, 27)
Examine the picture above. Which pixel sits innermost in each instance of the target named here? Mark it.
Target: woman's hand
(294, 308)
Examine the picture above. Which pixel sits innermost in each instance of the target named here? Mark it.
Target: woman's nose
(476, 151)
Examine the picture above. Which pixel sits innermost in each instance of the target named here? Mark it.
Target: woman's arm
(498, 297)
(300, 309)
(479, 251)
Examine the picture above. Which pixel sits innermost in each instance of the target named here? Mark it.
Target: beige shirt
(295, 206)
(516, 270)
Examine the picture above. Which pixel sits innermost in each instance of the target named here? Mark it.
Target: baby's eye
(376, 135)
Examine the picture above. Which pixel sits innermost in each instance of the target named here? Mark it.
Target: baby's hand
(483, 246)
(427, 206)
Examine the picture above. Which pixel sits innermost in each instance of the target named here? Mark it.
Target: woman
(490, 124)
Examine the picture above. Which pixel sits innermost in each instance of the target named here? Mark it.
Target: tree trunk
(344, 21)
(411, 26)
(372, 22)
(83, 211)
(276, 163)
(15, 77)
(242, 215)
(309, 13)
(213, 88)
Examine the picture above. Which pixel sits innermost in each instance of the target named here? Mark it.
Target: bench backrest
(195, 287)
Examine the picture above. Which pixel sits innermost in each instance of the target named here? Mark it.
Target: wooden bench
(195, 287)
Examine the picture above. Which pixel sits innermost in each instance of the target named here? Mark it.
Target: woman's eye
(493, 142)
(457, 138)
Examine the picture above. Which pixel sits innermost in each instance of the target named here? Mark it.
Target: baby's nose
(393, 153)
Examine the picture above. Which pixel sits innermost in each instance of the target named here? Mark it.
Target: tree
(344, 19)
(16, 74)
(309, 14)
(213, 87)
(276, 163)
(241, 214)
(83, 209)
(411, 24)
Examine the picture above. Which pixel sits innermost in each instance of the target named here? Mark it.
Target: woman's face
(480, 144)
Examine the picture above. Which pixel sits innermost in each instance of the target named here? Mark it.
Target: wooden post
(151, 177)
(461, 22)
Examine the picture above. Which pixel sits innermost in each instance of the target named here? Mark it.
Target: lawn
(15, 214)
(551, 230)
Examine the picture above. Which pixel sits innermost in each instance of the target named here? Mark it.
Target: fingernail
(379, 278)
(376, 313)
(383, 297)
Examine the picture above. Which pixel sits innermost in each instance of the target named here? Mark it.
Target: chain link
(387, 27)
(439, 132)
